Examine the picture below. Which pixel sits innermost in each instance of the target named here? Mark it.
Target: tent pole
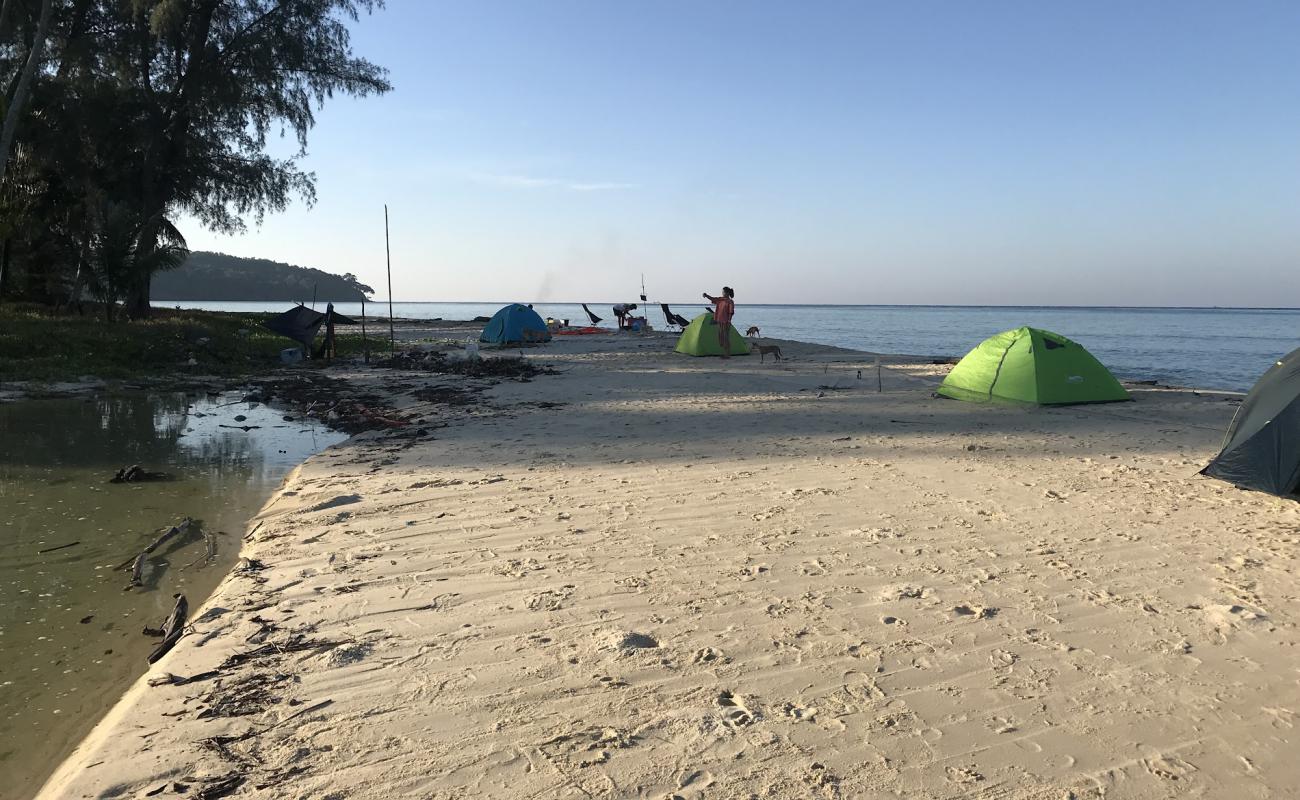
(388, 256)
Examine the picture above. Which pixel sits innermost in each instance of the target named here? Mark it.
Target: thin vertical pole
(388, 255)
(365, 343)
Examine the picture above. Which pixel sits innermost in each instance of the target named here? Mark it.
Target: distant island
(217, 276)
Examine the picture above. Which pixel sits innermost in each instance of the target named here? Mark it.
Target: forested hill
(217, 276)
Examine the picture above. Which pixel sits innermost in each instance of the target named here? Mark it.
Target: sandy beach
(655, 576)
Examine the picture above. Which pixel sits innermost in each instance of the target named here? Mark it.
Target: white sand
(706, 580)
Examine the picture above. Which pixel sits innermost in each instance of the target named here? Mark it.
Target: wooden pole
(388, 255)
(365, 343)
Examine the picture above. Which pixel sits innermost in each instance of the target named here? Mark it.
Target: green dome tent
(701, 338)
(1028, 365)
(1262, 448)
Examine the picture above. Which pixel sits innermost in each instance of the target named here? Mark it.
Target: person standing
(724, 310)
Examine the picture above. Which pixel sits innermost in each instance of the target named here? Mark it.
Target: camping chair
(674, 319)
(595, 320)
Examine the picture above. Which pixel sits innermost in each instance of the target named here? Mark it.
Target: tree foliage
(142, 110)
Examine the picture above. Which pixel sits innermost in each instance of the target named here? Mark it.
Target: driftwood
(60, 547)
(137, 474)
(172, 629)
(210, 554)
(168, 679)
(137, 563)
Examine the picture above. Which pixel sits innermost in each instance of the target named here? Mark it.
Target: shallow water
(1208, 348)
(70, 634)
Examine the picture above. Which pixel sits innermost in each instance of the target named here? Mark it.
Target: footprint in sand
(1170, 768)
(800, 713)
(905, 591)
(549, 599)
(696, 780)
(1002, 658)
(1227, 617)
(707, 655)
(975, 611)
(963, 775)
(735, 714)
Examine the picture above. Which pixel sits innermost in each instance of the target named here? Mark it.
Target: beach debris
(137, 474)
(292, 643)
(221, 787)
(249, 565)
(137, 563)
(432, 361)
(173, 628)
(168, 679)
(243, 697)
(445, 395)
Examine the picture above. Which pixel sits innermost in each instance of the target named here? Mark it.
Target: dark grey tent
(1262, 448)
(300, 323)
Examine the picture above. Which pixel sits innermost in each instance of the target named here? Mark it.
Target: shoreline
(418, 562)
(68, 670)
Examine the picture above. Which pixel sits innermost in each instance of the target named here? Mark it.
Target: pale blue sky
(1073, 153)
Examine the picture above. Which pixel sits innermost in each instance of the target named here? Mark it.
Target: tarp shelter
(701, 338)
(515, 324)
(301, 323)
(1029, 365)
(1262, 448)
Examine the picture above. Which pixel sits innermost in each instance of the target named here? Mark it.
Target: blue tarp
(515, 324)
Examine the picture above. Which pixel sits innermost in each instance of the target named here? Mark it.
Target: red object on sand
(581, 331)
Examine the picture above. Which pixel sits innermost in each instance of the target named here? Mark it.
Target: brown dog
(753, 331)
(764, 350)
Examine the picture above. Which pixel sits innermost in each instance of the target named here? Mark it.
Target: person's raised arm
(711, 298)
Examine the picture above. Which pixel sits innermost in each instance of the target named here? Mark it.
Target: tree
(213, 79)
(163, 107)
(16, 105)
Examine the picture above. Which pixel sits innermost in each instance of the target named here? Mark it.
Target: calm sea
(1209, 348)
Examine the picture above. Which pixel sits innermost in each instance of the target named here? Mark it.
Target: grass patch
(40, 344)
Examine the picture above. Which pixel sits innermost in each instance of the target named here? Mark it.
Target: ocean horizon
(1217, 348)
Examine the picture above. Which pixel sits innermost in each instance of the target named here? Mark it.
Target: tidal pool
(71, 637)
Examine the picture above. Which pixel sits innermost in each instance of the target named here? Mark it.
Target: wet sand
(655, 576)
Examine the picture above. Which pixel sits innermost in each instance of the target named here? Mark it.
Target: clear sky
(1075, 153)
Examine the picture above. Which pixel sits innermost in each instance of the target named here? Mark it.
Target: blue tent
(515, 324)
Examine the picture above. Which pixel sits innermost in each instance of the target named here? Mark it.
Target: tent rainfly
(301, 323)
(515, 324)
(1261, 450)
(1029, 365)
